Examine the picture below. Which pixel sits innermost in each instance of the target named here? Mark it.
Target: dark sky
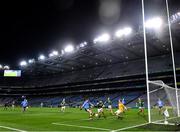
(31, 27)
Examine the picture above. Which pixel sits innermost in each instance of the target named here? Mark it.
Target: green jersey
(100, 104)
(109, 102)
(140, 104)
(63, 103)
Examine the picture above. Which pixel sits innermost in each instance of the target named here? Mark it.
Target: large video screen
(12, 73)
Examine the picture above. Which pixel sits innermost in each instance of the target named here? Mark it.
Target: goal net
(163, 103)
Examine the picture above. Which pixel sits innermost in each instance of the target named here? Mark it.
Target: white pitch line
(10, 128)
(86, 119)
(163, 119)
(96, 119)
(170, 124)
(121, 129)
(96, 128)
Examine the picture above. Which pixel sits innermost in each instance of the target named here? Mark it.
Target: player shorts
(166, 113)
(160, 107)
(63, 107)
(109, 106)
(87, 109)
(100, 110)
(24, 107)
(141, 107)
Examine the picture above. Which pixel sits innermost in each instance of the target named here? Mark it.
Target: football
(166, 122)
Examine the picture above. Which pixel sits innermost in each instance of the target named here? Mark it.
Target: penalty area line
(88, 127)
(11, 128)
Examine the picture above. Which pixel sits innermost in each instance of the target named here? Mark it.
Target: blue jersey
(123, 101)
(24, 103)
(86, 104)
(160, 103)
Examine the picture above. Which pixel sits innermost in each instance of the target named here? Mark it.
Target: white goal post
(163, 86)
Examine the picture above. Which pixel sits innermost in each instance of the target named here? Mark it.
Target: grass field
(50, 119)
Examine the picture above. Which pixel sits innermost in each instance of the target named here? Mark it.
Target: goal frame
(146, 60)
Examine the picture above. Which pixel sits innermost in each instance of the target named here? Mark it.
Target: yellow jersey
(121, 107)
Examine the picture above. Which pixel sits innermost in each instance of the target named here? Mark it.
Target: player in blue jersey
(160, 105)
(87, 107)
(123, 101)
(24, 105)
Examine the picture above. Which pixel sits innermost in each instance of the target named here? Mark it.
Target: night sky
(31, 27)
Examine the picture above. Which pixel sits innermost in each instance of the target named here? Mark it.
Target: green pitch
(74, 119)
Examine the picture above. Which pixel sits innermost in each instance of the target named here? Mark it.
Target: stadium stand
(116, 81)
(116, 70)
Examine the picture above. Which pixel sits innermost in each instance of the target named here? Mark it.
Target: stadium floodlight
(154, 23)
(83, 44)
(51, 55)
(127, 30)
(103, 38)
(119, 33)
(69, 48)
(6, 67)
(62, 52)
(123, 32)
(41, 57)
(23, 63)
(54, 53)
(31, 61)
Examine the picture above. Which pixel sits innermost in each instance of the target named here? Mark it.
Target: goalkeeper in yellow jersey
(121, 109)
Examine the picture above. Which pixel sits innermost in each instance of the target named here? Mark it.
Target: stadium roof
(116, 50)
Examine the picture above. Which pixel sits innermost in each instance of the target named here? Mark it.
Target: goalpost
(158, 89)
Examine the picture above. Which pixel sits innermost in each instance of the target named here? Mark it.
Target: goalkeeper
(160, 105)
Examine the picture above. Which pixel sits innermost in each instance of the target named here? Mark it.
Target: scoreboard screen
(12, 73)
